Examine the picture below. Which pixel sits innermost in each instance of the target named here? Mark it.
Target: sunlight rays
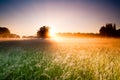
(52, 33)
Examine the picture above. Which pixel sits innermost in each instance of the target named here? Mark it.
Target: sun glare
(52, 33)
(54, 36)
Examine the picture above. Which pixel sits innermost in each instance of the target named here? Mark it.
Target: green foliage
(61, 60)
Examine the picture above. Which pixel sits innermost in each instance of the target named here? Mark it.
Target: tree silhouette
(109, 30)
(43, 32)
(4, 30)
(5, 33)
(102, 30)
(118, 32)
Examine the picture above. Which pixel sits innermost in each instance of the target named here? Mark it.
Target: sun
(52, 33)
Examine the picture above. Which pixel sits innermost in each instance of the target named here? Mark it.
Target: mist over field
(60, 59)
(59, 39)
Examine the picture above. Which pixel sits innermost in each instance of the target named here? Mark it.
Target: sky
(25, 17)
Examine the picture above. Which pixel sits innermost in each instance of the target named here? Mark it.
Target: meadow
(60, 59)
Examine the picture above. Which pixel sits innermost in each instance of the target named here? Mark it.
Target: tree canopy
(4, 30)
(43, 32)
(109, 30)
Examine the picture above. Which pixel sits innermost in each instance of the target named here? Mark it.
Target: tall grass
(73, 60)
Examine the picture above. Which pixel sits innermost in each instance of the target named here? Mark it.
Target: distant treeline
(29, 36)
(105, 31)
(78, 34)
(5, 33)
(109, 30)
(69, 35)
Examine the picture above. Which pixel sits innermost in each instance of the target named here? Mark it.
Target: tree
(109, 30)
(102, 30)
(4, 30)
(43, 32)
(118, 32)
(5, 33)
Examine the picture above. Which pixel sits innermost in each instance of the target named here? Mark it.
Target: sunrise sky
(25, 17)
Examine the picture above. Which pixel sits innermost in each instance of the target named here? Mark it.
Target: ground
(60, 59)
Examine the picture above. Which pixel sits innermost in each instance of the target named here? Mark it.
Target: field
(60, 59)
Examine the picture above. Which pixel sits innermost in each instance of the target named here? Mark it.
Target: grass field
(60, 59)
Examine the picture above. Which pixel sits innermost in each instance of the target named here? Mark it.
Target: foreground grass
(65, 61)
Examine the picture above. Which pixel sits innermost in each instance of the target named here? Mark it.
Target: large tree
(43, 32)
(109, 30)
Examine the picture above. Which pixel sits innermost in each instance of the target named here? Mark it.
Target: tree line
(105, 31)
(109, 30)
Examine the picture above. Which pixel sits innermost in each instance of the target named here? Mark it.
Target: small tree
(43, 32)
(4, 30)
